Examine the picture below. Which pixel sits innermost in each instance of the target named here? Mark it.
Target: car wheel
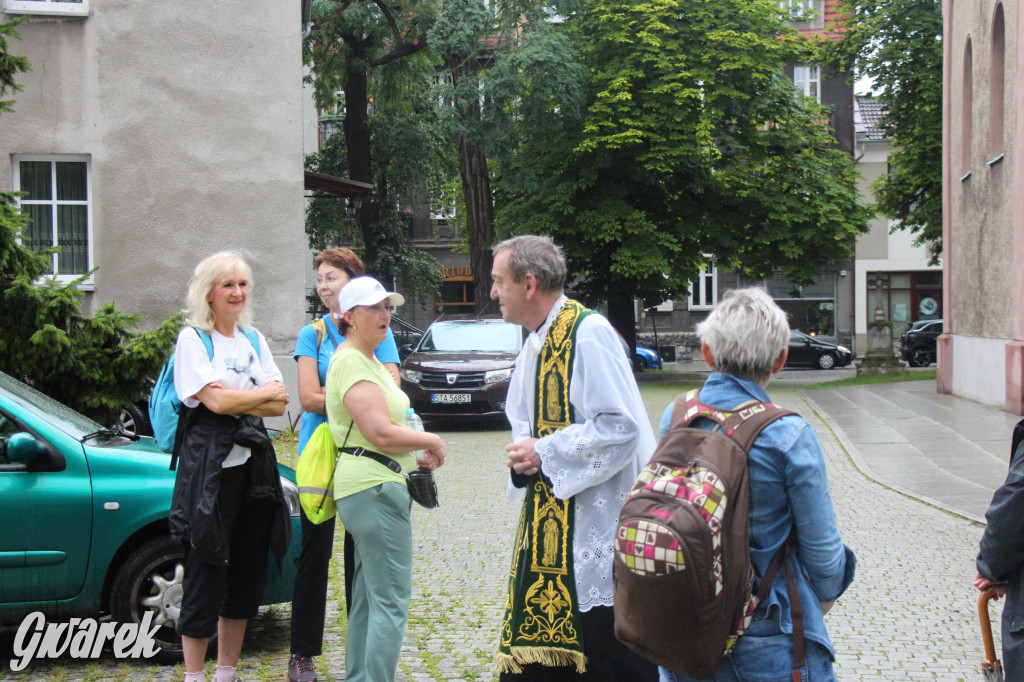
(639, 364)
(133, 421)
(826, 361)
(920, 358)
(151, 580)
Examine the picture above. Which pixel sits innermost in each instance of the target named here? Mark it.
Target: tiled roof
(867, 114)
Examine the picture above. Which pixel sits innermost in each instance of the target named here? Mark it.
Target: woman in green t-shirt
(367, 411)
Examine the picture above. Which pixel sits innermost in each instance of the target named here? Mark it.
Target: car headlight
(843, 349)
(496, 375)
(291, 496)
(411, 375)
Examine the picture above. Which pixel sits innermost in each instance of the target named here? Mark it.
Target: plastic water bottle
(413, 421)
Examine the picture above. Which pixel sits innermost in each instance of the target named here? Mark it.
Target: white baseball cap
(366, 291)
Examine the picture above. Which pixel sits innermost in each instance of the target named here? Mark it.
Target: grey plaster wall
(980, 247)
(191, 113)
(872, 163)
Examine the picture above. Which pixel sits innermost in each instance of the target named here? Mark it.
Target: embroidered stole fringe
(542, 618)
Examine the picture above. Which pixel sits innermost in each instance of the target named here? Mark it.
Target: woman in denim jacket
(745, 340)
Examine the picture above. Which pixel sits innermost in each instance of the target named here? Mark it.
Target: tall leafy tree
(690, 142)
(898, 43)
(498, 60)
(96, 364)
(373, 53)
(459, 36)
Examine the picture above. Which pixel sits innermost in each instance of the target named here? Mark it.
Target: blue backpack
(164, 405)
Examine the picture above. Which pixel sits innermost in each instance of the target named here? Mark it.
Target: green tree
(411, 160)
(690, 142)
(373, 54)
(96, 365)
(498, 63)
(898, 43)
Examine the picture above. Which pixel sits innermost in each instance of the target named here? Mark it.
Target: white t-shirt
(235, 364)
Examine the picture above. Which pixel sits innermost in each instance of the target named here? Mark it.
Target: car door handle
(37, 558)
(45, 558)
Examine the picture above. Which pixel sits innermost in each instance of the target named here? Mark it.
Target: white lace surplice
(596, 459)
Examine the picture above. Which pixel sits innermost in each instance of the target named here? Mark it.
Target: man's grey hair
(538, 255)
(745, 333)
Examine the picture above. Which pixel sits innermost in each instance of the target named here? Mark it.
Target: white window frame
(710, 272)
(89, 283)
(803, 76)
(68, 8)
(802, 12)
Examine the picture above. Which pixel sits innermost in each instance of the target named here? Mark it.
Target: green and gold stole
(542, 617)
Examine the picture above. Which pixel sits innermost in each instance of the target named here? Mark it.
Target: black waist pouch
(422, 488)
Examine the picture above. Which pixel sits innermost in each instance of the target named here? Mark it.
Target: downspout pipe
(307, 18)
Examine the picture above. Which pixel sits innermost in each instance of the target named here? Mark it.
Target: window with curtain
(803, 13)
(808, 80)
(56, 200)
(66, 8)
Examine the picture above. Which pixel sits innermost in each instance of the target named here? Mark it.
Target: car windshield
(68, 420)
(460, 336)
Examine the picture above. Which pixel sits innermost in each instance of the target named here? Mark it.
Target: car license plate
(449, 397)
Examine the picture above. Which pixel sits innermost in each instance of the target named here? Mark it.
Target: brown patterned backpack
(683, 577)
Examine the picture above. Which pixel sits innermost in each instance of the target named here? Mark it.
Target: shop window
(457, 293)
(905, 297)
(810, 308)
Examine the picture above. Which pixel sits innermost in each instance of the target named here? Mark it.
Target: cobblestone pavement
(910, 614)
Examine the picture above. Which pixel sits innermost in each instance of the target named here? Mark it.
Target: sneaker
(300, 669)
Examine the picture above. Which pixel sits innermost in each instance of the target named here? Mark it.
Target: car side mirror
(23, 448)
(405, 349)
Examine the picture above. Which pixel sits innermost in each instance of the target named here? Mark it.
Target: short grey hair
(211, 270)
(535, 254)
(745, 333)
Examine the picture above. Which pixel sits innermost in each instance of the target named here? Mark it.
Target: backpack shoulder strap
(746, 422)
(743, 423)
(320, 327)
(204, 336)
(680, 408)
(253, 337)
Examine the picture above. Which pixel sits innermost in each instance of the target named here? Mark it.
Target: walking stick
(992, 667)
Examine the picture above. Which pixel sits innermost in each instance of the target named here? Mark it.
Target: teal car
(85, 531)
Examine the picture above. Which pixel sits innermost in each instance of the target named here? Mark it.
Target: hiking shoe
(300, 669)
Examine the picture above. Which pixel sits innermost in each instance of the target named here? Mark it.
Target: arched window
(998, 82)
(967, 110)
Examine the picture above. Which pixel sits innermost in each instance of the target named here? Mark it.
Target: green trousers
(378, 519)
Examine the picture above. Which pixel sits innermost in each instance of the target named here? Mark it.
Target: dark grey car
(918, 343)
(461, 368)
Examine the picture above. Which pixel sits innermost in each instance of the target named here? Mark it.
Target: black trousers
(608, 659)
(309, 594)
(234, 590)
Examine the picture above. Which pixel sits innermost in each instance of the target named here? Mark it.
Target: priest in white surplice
(580, 436)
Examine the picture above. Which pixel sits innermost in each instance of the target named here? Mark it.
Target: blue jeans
(766, 659)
